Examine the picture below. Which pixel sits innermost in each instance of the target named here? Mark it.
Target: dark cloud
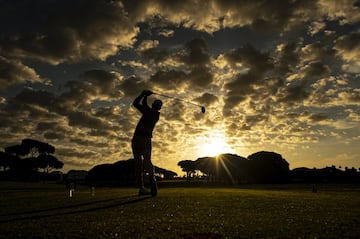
(53, 130)
(348, 48)
(43, 107)
(54, 135)
(60, 31)
(84, 119)
(196, 53)
(316, 69)
(349, 42)
(13, 72)
(193, 62)
(107, 112)
(132, 86)
(289, 58)
(169, 80)
(105, 133)
(250, 57)
(83, 141)
(39, 98)
(200, 76)
(93, 85)
(175, 12)
(351, 97)
(79, 154)
(318, 51)
(267, 15)
(252, 120)
(210, 16)
(318, 117)
(155, 54)
(294, 94)
(232, 101)
(100, 83)
(44, 126)
(244, 84)
(207, 99)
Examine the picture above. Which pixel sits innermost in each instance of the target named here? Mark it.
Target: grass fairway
(291, 211)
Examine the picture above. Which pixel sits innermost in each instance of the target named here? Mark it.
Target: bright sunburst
(214, 145)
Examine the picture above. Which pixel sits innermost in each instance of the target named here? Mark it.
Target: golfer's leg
(138, 164)
(139, 171)
(150, 168)
(148, 165)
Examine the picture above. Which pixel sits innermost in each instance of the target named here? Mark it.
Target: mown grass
(275, 211)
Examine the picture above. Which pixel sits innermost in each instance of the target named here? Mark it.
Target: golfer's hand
(148, 92)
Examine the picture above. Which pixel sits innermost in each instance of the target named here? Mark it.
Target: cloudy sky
(274, 75)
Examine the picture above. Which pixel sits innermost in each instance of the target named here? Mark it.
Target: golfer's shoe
(153, 187)
(143, 191)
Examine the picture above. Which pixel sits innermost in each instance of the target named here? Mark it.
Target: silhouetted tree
(188, 167)
(18, 150)
(325, 175)
(164, 173)
(48, 162)
(37, 147)
(30, 156)
(269, 167)
(226, 168)
(119, 173)
(204, 165)
(7, 160)
(261, 167)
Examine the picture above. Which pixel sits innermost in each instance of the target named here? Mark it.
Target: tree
(7, 160)
(188, 167)
(120, 173)
(269, 167)
(261, 167)
(17, 150)
(36, 147)
(167, 174)
(30, 156)
(48, 162)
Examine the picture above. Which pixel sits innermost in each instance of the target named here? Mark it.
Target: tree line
(31, 160)
(262, 167)
(121, 173)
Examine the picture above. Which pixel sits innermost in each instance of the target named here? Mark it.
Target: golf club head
(203, 109)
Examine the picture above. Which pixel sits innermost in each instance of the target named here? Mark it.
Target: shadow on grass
(54, 211)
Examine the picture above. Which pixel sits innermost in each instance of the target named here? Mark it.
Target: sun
(215, 145)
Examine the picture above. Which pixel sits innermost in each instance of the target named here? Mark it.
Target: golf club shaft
(175, 98)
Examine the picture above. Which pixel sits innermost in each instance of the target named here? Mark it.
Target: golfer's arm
(144, 101)
(137, 100)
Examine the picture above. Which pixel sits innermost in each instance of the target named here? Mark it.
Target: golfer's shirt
(147, 122)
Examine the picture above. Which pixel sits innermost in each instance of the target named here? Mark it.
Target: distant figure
(141, 142)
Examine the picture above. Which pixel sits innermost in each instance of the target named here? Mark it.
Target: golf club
(178, 99)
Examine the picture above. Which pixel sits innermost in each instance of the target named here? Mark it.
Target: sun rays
(214, 144)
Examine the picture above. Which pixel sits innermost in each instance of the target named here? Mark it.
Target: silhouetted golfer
(141, 142)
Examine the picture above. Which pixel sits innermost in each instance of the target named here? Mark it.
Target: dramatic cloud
(13, 72)
(244, 84)
(273, 75)
(348, 47)
(94, 84)
(62, 31)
